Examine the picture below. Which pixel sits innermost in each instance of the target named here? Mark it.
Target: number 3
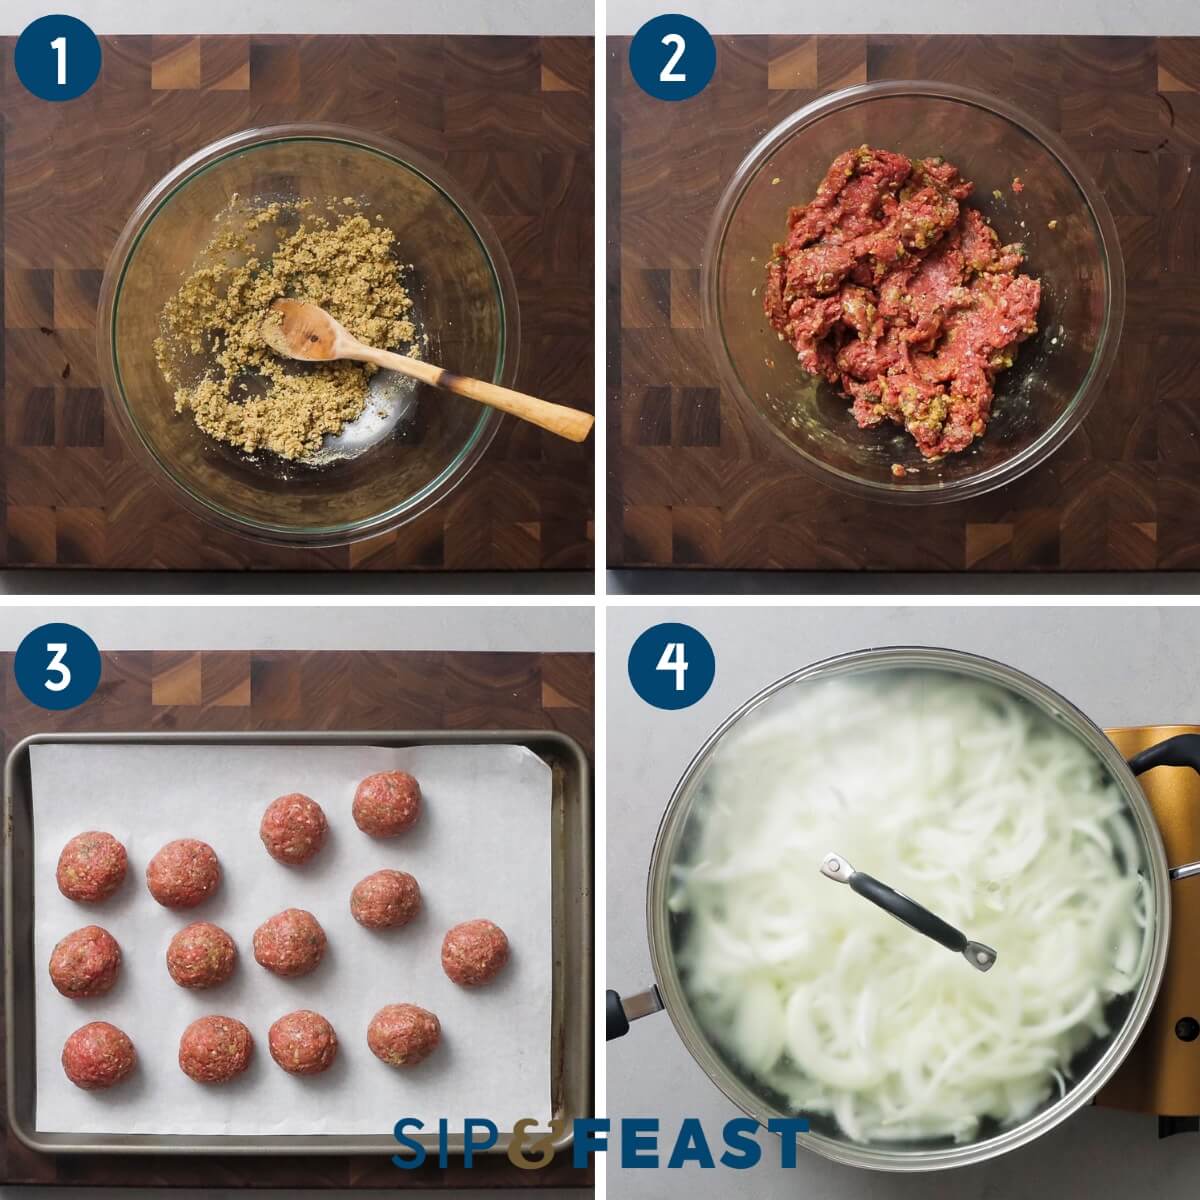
(669, 75)
(672, 660)
(58, 650)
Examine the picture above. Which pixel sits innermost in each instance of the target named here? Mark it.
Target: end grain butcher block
(509, 118)
(278, 690)
(695, 482)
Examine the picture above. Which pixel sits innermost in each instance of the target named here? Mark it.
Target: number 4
(59, 46)
(669, 75)
(58, 651)
(672, 660)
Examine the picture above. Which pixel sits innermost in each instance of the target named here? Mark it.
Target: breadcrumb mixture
(246, 394)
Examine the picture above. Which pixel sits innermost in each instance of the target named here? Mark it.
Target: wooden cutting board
(305, 690)
(695, 483)
(509, 118)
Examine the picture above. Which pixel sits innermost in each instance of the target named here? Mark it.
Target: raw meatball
(183, 873)
(387, 804)
(474, 952)
(201, 955)
(85, 963)
(91, 867)
(293, 829)
(215, 1049)
(289, 943)
(97, 1056)
(403, 1035)
(384, 899)
(303, 1043)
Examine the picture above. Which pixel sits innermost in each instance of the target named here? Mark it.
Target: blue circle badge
(672, 57)
(57, 666)
(671, 665)
(57, 57)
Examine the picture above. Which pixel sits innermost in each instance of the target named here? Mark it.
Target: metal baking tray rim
(572, 941)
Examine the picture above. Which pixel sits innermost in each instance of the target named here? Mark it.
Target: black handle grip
(1182, 750)
(914, 915)
(615, 1019)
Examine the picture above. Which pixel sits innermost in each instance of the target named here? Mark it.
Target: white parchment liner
(482, 849)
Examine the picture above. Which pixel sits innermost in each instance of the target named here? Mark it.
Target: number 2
(669, 75)
(58, 651)
(672, 660)
(59, 46)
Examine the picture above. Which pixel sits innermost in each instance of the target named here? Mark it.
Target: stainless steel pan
(668, 992)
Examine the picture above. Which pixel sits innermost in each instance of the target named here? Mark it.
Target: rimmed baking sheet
(493, 839)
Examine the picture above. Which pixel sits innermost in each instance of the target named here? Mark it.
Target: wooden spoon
(309, 333)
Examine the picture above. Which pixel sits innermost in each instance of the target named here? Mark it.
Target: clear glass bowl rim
(139, 222)
(1107, 344)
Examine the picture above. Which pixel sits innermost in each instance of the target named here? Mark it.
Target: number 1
(672, 660)
(669, 75)
(58, 651)
(59, 46)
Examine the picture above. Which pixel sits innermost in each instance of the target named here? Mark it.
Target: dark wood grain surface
(694, 482)
(306, 690)
(509, 118)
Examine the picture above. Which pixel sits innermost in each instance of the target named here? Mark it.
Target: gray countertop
(573, 18)
(563, 629)
(1121, 666)
(1159, 17)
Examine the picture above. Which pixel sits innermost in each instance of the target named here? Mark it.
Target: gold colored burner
(1162, 1072)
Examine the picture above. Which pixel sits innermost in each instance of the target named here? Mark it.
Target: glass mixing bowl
(413, 444)
(1058, 373)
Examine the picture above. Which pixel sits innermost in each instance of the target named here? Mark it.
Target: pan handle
(1182, 750)
(620, 1011)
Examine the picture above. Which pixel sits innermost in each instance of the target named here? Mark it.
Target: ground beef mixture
(387, 803)
(385, 899)
(892, 288)
(403, 1035)
(201, 955)
(98, 1056)
(85, 963)
(293, 829)
(183, 873)
(289, 943)
(303, 1043)
(91, 867)
(245, 394)
(215, 1049)
(474, 952)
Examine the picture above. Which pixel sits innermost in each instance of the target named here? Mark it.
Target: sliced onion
(977, 805)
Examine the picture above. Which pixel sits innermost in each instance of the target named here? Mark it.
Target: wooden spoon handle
(569, 423)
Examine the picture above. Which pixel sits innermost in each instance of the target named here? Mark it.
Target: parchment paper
(481, 849)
